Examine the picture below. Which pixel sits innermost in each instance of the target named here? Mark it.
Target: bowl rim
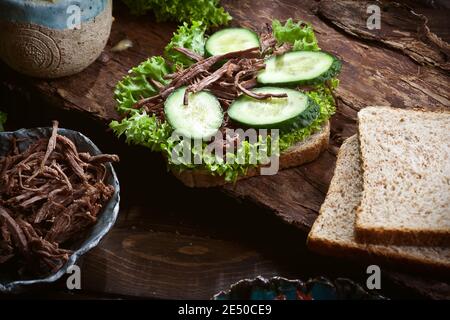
(10, 287)
(260, 279)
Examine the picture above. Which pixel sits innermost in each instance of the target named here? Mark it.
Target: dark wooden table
(174, 242)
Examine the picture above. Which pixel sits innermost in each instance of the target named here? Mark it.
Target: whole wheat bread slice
(333, 231)
(406, 172)
(305, 151)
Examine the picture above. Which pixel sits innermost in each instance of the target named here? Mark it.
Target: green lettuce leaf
(3, 117)
(144, 130)
(299, 34)
(148, 131)
(136, 86)
(323, 97)
(207, 11)
(189, 37)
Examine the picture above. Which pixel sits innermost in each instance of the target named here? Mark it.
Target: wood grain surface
(176, 248)
(371, 75)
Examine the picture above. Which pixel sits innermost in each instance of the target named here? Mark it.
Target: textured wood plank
(401, 28)
(166, 265)
(427, 287)
(142, 255)
(295, 193)
(371, 75)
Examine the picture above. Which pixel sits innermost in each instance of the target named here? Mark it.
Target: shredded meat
(49, 195)
(235, 77)
(226, 76)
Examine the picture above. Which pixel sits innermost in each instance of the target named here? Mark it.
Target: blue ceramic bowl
(106, 217)
(52, 39)
(278, 288)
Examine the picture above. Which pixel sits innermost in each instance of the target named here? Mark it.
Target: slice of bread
(333, 231)
(298, 154)
(406, 172)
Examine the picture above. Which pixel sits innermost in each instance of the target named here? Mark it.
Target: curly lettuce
(189, 37)
(207, 11)
(136, 85)
(322, 95)
(299, 34)
(142, 129)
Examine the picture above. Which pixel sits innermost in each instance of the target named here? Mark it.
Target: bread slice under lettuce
(302, 152)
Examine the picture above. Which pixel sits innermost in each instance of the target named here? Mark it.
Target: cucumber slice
(286, 114)
(200, 119)
(300, 68)
(231, 39)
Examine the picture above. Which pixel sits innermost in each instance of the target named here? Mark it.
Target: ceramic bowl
(278, 288)
(53, 38)
(105, 219)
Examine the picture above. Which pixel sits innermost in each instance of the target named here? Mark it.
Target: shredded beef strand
(157, 84)
(201, 75)
(51, 144)
(190, 54)
(15, 230)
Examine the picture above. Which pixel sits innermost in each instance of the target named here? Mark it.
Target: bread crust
(434, 238)
(377, 254)
(298, 154)
(366, 233)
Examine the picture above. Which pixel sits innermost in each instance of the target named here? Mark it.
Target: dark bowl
(106, 217)
(278, 288)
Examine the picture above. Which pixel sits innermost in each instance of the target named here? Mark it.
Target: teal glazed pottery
(53, 38)
(278, 288)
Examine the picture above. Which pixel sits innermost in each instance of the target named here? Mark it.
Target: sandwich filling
(277, 79)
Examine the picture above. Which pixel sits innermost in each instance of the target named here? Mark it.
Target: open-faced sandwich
(232, 105)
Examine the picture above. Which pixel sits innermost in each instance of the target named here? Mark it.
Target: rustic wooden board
(403, 29)
(373, 74)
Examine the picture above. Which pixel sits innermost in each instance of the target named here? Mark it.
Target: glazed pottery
(278, 288)
(53, 38)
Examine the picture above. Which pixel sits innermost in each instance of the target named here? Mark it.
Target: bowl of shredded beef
(59, 195)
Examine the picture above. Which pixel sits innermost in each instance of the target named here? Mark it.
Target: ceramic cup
(53, 38)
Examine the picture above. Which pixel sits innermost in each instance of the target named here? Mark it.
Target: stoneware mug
(53, 38)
